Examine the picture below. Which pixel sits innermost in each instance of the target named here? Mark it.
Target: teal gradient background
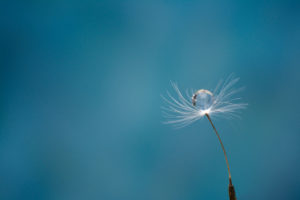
(80, 106)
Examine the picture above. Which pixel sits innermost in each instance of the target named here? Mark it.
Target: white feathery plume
(181, 112)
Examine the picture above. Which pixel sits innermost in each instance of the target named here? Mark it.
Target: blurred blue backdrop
(81, 108)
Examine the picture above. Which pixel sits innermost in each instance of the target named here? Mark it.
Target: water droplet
(204, 99)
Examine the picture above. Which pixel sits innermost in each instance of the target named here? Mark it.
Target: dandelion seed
(183, 111)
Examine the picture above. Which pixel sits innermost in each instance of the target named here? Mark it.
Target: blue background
(80, 106)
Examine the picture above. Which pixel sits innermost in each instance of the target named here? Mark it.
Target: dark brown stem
(230, 188)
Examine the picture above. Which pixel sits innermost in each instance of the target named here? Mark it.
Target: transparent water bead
(203, 99)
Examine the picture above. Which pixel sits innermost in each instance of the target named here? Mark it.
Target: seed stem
(231, 188)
